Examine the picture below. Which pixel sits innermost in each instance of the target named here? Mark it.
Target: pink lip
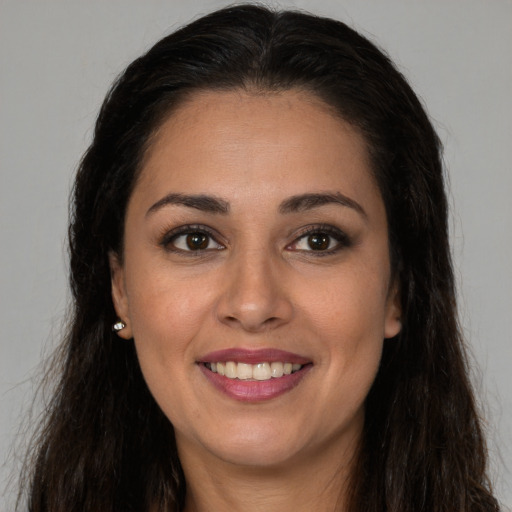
(254, 391)
(242, 355)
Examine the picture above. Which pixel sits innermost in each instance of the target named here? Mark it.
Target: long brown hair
(105, 445)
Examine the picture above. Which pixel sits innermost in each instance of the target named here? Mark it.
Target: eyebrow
(304, 202)
(209, 204)
(294, 204)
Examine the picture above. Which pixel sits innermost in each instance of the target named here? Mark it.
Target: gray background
(57, 59)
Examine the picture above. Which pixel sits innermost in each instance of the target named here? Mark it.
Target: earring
(118, 326)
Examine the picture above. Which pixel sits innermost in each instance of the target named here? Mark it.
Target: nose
(254, 298)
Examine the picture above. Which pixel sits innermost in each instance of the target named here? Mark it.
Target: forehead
(229, 142)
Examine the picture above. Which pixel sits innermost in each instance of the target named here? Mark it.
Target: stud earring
(118, 326)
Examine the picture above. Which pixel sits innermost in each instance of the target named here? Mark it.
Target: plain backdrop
(57, 60)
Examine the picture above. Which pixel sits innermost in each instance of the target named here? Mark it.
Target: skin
(259, 284)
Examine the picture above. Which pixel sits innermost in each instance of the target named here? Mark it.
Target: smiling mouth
(253, 372)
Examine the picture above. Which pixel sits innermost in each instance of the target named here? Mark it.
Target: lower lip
(255, 390)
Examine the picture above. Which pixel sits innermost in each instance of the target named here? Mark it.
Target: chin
(257, 455)
(255, 445)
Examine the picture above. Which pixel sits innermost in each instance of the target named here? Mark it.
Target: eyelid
(339, 235)
(169, 235)
(166, 239)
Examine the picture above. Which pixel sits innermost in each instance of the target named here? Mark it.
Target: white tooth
(261, 371)
(244, 371)
(276, 369)
(230, 370)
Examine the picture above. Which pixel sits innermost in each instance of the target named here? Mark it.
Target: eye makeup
(317, 240)
(321, 240)
(190, 240)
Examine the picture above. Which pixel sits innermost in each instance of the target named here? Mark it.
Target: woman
(264, 308)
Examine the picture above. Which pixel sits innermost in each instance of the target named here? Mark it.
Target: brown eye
(319, 241)
(197, 241)
(322, 240)
(189, 239)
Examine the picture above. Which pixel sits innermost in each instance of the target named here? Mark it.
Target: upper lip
(253, 356)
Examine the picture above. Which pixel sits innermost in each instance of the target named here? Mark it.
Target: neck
(316, 481)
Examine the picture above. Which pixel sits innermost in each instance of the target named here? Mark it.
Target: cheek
(351, 305)
(353, 332)
(166, 319)
(166, 315)
(348, 314)
(161, 302)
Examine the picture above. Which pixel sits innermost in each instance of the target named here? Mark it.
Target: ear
(393, 322)
(119, 296)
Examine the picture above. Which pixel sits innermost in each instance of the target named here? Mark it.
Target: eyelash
(170, 237)
(343, 241)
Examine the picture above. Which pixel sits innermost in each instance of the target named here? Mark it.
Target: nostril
(248, 305)
(251, 324)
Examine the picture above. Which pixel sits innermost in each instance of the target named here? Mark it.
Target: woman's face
(256, 237)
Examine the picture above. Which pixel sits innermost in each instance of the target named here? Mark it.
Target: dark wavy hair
(105, 445)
